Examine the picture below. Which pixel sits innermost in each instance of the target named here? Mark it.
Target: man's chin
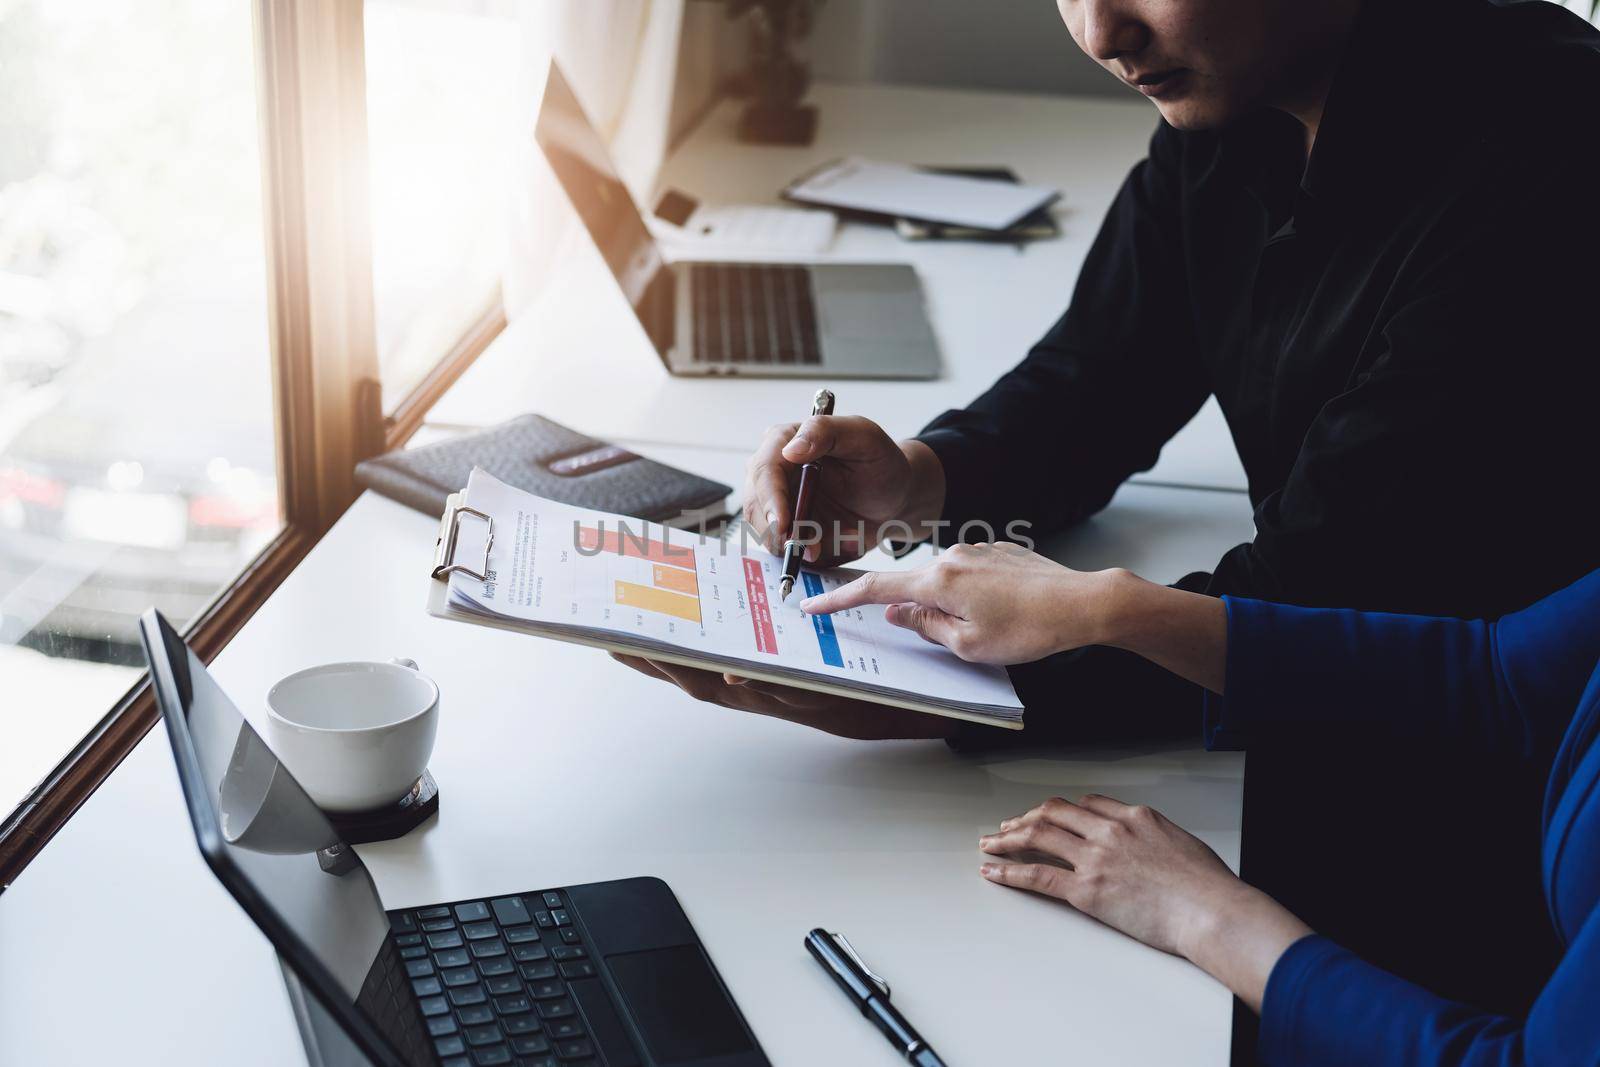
(1194, 113)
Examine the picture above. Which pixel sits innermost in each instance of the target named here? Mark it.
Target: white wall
(1020, 45)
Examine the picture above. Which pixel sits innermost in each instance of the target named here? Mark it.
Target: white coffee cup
(356, 736)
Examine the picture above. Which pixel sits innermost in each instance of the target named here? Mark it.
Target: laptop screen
(278, 852)
(583, 167)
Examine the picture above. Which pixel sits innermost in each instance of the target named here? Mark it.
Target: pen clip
(850, 950)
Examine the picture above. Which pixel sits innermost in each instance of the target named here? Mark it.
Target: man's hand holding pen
(869, 487)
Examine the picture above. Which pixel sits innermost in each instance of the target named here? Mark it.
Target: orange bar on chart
(676, 579)
(665, 601)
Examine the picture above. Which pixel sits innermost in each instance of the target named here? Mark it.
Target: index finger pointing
(873, 587)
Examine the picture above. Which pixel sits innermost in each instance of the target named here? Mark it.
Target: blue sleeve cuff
(1281, 1005)
(1324, 1006)
(1225, 719)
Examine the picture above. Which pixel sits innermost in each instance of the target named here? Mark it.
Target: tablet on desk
(604, 973)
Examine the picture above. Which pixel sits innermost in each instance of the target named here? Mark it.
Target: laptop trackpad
(678, 1004)
(868, 303)
(665, 982)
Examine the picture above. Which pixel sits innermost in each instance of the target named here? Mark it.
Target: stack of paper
(578, 575)
(897, 191)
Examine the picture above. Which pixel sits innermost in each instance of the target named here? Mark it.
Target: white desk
(557, 766)
(579, 354)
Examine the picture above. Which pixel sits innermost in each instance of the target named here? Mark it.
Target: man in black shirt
(1371, 235)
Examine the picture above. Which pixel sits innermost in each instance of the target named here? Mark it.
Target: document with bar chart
(573, 574)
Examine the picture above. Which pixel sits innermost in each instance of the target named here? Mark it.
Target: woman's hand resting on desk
(1130, 867)
(1138, 872)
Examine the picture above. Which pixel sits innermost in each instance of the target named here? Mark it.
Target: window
(136, 427)
(189, 367)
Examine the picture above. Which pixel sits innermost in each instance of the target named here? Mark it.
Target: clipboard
(445, 564)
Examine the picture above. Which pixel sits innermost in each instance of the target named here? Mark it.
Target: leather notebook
(548, 460)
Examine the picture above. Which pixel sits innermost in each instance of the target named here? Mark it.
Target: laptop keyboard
(491, 978)
(757, 314)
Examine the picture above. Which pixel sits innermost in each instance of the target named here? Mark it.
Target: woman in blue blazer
(1525, 688)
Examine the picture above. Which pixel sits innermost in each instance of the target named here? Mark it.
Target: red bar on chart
(755, 588)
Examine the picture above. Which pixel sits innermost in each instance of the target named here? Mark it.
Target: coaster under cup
(394, 820)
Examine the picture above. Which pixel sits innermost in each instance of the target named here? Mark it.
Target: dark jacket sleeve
(1095, 400)
(1325, 1006)
(1348, 678)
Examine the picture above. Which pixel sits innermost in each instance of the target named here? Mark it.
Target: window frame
(326, 392)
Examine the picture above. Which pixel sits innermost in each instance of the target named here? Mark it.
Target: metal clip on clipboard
(444, 554)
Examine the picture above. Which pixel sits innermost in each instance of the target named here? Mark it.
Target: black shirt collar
(1379, 125)
(1380, 117)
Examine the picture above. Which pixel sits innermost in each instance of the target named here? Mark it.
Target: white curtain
(621, 57)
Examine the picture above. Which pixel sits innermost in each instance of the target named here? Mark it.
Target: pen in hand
(810, 473)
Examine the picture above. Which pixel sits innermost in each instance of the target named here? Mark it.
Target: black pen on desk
(794, 549)
(870, 994)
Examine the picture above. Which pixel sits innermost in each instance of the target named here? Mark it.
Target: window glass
(443, 121)
(136, 445)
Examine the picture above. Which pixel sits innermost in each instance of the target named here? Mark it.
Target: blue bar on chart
(827, 640)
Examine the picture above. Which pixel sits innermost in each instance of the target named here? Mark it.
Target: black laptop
(607, 973)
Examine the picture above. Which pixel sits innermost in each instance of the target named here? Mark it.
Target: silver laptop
(792, 320)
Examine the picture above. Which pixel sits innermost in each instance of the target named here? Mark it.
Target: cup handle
(405, 662)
